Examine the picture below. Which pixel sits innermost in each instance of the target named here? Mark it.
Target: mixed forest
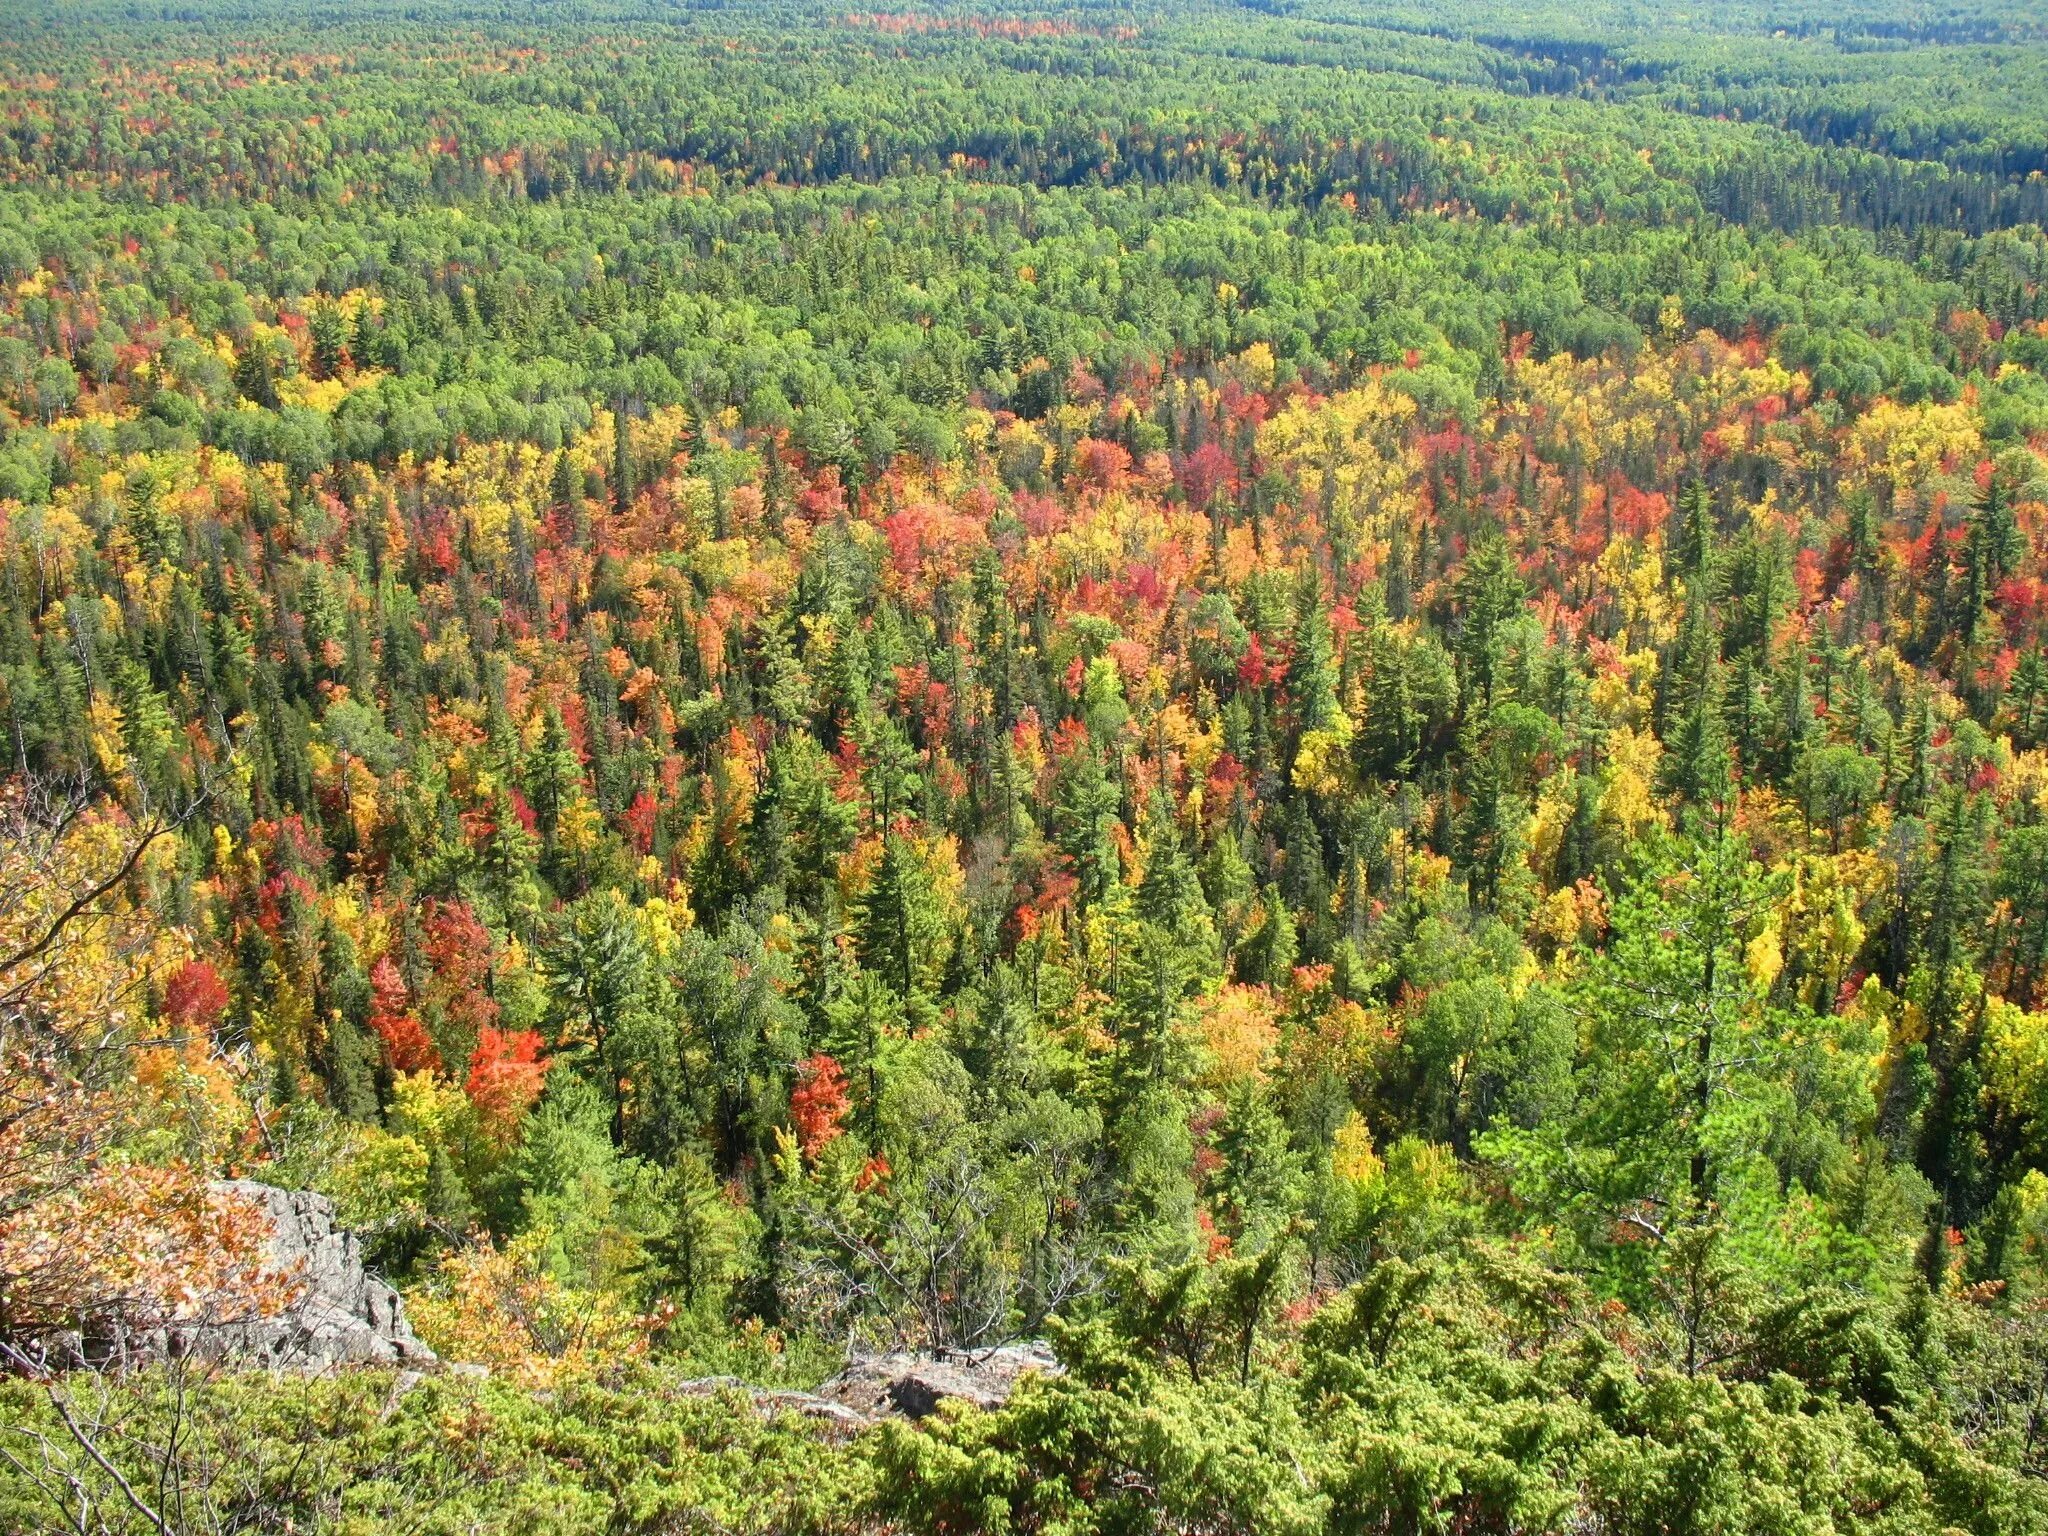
(1343, 704)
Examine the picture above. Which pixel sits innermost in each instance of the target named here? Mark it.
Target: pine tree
(1680, 1045)
(1393, 720)
(1487, 840)
(2026, 700)
(330, 341)
(1697, 767)
(350, 1070)
(622, 455)
(1797, 727)
(1488, 594)
(1912, 776)
(1994, 546)
(1170, 894)
(1311, 673)
(566, 482)
(1397, 570)
(447, 1202)
(1697, 548)
(510, 859)
(898, 924)
(862, 1025)
(363, 336)
(1268, 952)
(553, 773)
(1578, 854)
(1084, 814)
(599, 962)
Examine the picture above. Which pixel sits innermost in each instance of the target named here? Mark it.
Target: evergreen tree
(1697, 767)
(1487, 594)
(862, 1026)
(602, 1023)
(898, 924)
(1083, 814)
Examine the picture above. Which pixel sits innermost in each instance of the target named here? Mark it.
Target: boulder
(913, 1383)
(907, 1385)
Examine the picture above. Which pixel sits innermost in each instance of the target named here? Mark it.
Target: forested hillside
(1346, 705)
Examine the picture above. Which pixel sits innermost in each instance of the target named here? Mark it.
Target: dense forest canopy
(1346, 705)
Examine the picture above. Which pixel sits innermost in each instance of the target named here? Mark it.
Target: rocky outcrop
(344, 1316)
(337, 1315)
(909, 1385)
(912, 1384)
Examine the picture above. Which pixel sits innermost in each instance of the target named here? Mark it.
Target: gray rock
(340, 1315)
(909, 1385)
(344, 1316)
(912, 1384)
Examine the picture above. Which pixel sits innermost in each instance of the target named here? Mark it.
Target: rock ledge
(345, 1317)
(910, 1384)
(342, 1315)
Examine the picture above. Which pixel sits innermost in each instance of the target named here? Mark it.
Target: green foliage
(1346, 706)
(355, 1453)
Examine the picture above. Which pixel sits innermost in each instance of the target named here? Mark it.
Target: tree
(1682, 1051)
(862, 1025)
(739, 1030)
(2021, 940)
(819, 1103)
(1488, 594)
(1699, 769)
(1461, 1044)
(407, 1047)
(1311, 672)
(899, 923)
(1835, 784)
(90, 1238)
(602, 1021)
(553, 773)
(53, 388)
(506, 1076)
(1083, 814)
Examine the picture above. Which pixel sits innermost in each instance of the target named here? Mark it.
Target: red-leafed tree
(195, 997)
(1203, 472)
(406, 1045)
(819, 1104)
(458, 949)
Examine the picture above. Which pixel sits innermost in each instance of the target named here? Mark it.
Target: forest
(1343, 705)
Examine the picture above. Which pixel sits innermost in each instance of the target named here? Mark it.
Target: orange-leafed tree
(506, 1076)
(89, 1234)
